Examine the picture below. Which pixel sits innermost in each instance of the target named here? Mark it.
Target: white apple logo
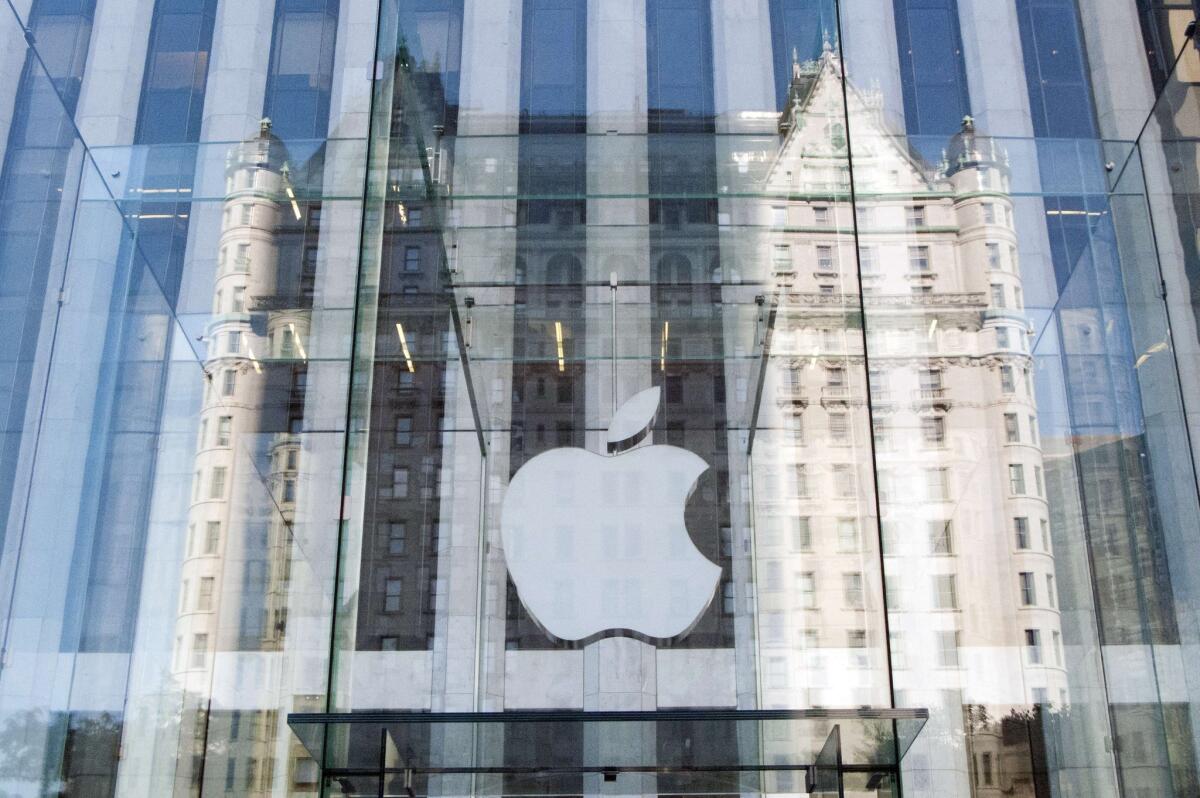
(597, 543)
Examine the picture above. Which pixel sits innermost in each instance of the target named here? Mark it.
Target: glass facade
(565, 397)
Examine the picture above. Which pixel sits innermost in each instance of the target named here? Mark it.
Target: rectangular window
(1021, 528)
(245, 213)
(986, 768)
(392, 591)
(403, 431)
(242, 261)
(843, 481)
(224, 430)
(918, 259)
(1028, 589)
(216, 483)
(852, 590)
(989, 213)
(1033, 430)
(1033, 646)
(847, 535)
(914, 215)
(868, 260)
(839, 427)
(212, 537)
(802, 534)
(945, 592)
(947, 649)
(397, 537)
(412, 259)
(1016, 479)
(993, 256)
(933, 430)
(821, 214)
(199, 650)
(941, 537)
(239, 299)
(228, 382)
(1012, 430)
(1039, 481)
(399, 483)
(205, 596)
(806, 589)
(800, 475)
(1002, 339)
(782, 257)
(1045, 527)
(778, 216)
(1056, 640)
(1007, 383)
(937, 484)
(233, 342)
(1051, 595)
(997, 295)
(825, 259)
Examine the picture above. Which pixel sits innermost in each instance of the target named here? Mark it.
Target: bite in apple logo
(597, 544)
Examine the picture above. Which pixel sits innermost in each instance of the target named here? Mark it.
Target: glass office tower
(599, 397)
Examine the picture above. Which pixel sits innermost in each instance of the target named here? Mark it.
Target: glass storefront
(564, 397)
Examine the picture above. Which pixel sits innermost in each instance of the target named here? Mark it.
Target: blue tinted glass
(798, 29)
(931, 66)
(679, 65)
(301, 69)
(1059, 94)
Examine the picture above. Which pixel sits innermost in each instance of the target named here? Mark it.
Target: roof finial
(264, 126)
(795, 64)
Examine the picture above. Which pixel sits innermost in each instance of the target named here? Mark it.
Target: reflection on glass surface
(552, 397)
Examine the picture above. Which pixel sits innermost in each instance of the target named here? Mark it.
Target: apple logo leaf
(632, 420)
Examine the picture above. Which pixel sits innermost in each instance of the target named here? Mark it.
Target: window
(1056, 641)
(199, 650)
(937, 484)
(1021, 528)
(1045, 528)
(993, 255)
(852, 590)
(242, 260)
(941, 537)
(1002, 339)
(947, 649)
(1016, 479)
(1012, 430)
(233, 342)
(868, 260)
(412, 259)
(918, 259)
(212, 537)
(224, 427)
(782, 257)
(1039, 481)
(1028, 589)
(778, 216)
(728, 598)
(856, 640)
(216, 483)
(392, 590)
(1007, 383)
(800, 474)
(1033, 430)
(821, 214)
(989, 213)
(239, 299)
(288, 493)
(1033, 646)
(228, 382)
(403, 431)
(847, 530)
(824, 259)
(933, 430)
(397, 532)
(835, 377)
(985, 768)
(843, 481)
(205, 596)
(389, 644)
(997, 295)
(945, 592)
(806, 589)
(915, 215)
(244, 214)
(802, 534)
(839, 428)
(399, 483)
(1051, 596)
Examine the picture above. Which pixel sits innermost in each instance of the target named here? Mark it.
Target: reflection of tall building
(969, 581)
(237, 556)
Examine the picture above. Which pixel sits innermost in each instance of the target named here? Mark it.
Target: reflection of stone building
(946, 393)
(237, 554)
